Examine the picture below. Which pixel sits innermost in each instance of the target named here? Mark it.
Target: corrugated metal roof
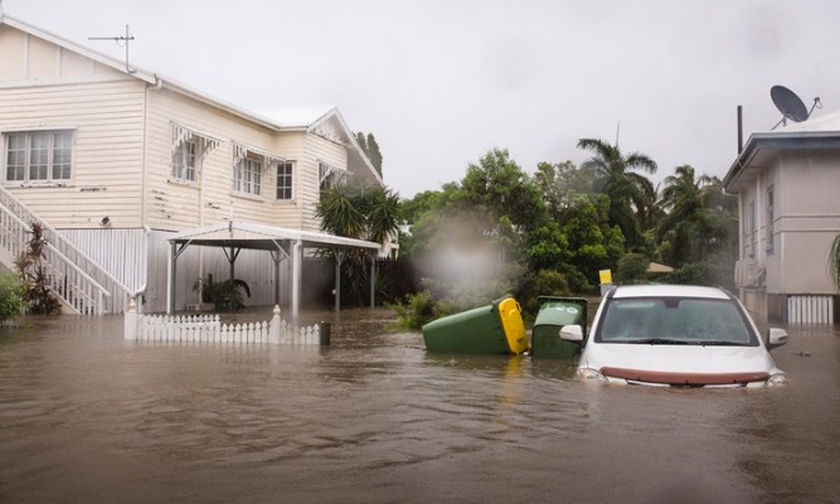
(258, 236)
(296, 117)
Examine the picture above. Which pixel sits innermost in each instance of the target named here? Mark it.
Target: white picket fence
(208, 329)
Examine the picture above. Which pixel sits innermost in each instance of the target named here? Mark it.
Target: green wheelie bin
(555, 312)
(493, 329)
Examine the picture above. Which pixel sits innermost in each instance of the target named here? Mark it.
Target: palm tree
(697, 217)
(626, 189)
(363, 213)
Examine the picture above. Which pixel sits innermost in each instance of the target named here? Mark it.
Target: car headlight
(591, 374)
(776, 380)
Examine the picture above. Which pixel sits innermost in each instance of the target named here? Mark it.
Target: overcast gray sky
(440, 83)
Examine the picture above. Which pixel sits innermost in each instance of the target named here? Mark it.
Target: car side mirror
(573, 333)
(776, 337)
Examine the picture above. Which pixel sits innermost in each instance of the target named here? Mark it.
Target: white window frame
(288, 185)
(247, 175)
(50, 163)
(185, 160)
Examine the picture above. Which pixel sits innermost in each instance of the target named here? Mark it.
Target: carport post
(297, 257)
(339, 256)
(373, 280)
(170, 279)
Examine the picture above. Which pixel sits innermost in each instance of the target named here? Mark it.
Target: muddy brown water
(88, 417)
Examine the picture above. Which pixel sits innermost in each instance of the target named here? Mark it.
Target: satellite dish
(790, 105)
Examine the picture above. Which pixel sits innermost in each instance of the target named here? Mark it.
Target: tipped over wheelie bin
(493, 329)
(555, 312)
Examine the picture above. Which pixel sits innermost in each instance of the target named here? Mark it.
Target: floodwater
(88, 417)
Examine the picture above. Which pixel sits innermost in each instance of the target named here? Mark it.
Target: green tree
(698, 219)
(625, 188)
(498, 185)
(371, 149)
(361, 212)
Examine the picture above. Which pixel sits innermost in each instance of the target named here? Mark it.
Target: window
(39, 156)
(247, 175)
(285, 180)
(770, 247)
(184, 160)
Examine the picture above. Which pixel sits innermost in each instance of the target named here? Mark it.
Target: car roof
(687, 291)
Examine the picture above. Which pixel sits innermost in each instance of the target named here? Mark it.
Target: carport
(281, 243)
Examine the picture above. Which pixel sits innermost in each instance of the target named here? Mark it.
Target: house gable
(28, 59)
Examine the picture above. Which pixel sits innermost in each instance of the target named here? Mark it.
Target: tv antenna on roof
(791, 106)
(119, 38)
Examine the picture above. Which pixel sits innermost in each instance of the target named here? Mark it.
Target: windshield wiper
(653, 341)
(719, 343)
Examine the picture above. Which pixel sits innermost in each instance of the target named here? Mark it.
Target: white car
(676, 335)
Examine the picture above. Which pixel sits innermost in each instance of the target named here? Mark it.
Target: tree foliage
(371, 150)
(500, 229)
(361, 212)
(628, 191)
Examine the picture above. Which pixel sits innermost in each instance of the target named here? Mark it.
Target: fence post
(274, 327)
(130, 321)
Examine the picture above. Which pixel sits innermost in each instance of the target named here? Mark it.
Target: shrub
(39, 297)
(12, 296)
(631, 268)
(543, 283)
(227, 295)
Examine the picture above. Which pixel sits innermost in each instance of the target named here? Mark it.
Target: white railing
(81, 281)
(208, 329)
(78, 289)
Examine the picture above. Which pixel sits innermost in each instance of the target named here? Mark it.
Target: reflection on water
(87, 417)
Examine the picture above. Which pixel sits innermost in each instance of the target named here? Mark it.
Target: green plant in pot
(226, 295)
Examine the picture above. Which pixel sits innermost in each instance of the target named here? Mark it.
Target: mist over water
(88, 417)
(463, 256)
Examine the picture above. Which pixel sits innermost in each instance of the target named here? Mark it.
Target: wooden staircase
(82, 284)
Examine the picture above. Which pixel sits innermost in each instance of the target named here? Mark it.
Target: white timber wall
(178, 206)
(122, 252)
(317, 149)
(43, 86)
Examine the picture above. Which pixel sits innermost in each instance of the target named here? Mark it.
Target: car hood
(688, 364)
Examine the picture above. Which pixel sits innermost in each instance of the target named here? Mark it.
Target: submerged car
(676, 335)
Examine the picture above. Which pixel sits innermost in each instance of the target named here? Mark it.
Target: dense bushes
(12, 296)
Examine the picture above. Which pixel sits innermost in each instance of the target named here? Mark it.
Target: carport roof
(248, 235)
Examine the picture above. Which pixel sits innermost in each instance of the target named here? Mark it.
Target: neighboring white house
(117, 160)
(788, 187)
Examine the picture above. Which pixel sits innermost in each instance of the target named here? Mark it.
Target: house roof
(820, 133)
(277, 119)
(256, 236)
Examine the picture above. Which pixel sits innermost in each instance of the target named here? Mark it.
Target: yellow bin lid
(511, 315)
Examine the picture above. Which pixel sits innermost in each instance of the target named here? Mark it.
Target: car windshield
(678, 321)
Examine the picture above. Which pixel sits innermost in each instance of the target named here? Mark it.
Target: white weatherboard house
(115, 162)
(788, 187)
